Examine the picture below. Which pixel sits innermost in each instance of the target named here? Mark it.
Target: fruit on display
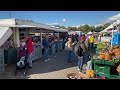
(101, 55)
(118, 69)
(90, 73)
(116, 52)
(108, 56)
(108, 53)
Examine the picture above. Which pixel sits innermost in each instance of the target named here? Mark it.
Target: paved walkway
(56, 68)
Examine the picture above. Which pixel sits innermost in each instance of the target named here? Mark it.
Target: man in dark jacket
(79, 53)
(45, 44)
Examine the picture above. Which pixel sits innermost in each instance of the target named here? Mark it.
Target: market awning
(5, 33)
(109, 27)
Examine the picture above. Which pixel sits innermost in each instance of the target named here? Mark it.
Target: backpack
(78, 50)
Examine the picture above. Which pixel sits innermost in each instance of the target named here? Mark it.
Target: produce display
(105, 58)
(118, 69)
(90, 73)
(110, 54)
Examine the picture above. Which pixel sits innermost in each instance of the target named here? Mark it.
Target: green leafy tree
(85, 28)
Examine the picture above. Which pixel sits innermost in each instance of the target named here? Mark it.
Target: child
(22, 54)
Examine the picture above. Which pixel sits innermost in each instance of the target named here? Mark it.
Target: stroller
(22, 63)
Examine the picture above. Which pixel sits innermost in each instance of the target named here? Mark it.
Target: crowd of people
(78, 46)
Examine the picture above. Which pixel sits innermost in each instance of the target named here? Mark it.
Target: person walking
(83, 37)
(91, 40)
(79, 54)
(69, 47)
(29, 43)
(87, 43)
(45, 44)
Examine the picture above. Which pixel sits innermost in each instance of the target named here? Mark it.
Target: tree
(85, 28)
(72, 28)
(63, 27)
(98, 29)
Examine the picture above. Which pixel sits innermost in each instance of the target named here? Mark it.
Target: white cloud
(113, 18)
(64, 20)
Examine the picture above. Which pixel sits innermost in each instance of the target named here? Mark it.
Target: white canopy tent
(109, 27)
(89, 32)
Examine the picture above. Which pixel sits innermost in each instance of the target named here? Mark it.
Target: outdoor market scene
(65, 50)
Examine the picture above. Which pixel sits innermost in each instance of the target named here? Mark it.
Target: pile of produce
(118, 69)
(90, 73)
(108, 53)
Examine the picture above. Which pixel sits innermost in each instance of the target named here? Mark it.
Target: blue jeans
(74, 57)
(30, 59)
(91, 45)
(46, 53)
(80, 63)
(69, 56)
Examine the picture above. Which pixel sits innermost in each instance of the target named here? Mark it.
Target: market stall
(106, 61)
(18, 29)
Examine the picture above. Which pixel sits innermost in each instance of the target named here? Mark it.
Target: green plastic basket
(107, 76)
(105, 62)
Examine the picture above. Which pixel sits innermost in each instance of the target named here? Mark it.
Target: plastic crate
(102, 69)
(105, 62)
(107, 76)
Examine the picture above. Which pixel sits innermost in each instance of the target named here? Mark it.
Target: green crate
(102, 69)
(105, 62)
(107, 76)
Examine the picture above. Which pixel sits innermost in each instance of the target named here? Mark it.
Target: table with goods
(106, 61)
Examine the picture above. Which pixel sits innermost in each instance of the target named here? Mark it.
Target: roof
(27, 23)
